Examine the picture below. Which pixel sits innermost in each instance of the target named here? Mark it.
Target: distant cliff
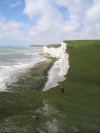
(35, 45)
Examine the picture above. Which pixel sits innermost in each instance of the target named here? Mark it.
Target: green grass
(17, 112)
(54, 45)
(81, 101)
(77, 110)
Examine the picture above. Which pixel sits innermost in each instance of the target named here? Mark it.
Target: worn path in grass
(75, 111)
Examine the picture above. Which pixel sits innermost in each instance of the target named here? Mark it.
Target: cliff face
(60, 68)
(56, 52)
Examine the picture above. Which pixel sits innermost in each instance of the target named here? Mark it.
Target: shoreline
(16, 75)
(54, 74)
(34, 78)
(17, 64)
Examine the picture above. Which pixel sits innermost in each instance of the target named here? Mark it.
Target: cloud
(82, 20)
(53, 24)
(93, 12)
(17, 3)
(33, 7)
(50, 23)
(10, 30)
(92, 21)
(46, 25)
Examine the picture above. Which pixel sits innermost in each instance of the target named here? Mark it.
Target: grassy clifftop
(77, 110)
(80, 102)
(84, 61)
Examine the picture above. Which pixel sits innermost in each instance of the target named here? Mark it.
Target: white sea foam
(10, 73)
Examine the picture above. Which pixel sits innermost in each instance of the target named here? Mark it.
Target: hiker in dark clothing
(62, 89)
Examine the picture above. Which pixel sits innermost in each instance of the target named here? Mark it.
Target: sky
(24, 22)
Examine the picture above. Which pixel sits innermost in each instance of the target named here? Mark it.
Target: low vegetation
(54, 45)
(75, 111)
(35, 78)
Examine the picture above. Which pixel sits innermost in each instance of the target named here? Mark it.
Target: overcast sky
(24, 22)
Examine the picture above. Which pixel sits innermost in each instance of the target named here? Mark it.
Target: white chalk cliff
(60, 67)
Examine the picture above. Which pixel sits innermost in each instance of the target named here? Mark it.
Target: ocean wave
(12, 66)
(10, 74)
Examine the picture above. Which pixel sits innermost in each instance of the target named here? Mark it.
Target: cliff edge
(60, 67)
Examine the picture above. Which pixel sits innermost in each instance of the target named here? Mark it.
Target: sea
(16, 60)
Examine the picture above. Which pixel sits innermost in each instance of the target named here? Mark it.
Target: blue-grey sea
(16, 60)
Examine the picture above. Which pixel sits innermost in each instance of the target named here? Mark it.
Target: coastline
(52, 71)
(79, 107)
(34, 78)
(15, 61)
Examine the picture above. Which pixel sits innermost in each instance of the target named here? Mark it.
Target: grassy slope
(54, 45)
(81, 101)
(78, 108)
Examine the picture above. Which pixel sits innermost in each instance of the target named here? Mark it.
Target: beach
(15, 61)
(27, 61)
(18, 62)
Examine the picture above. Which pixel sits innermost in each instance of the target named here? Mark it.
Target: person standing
(62, 89)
